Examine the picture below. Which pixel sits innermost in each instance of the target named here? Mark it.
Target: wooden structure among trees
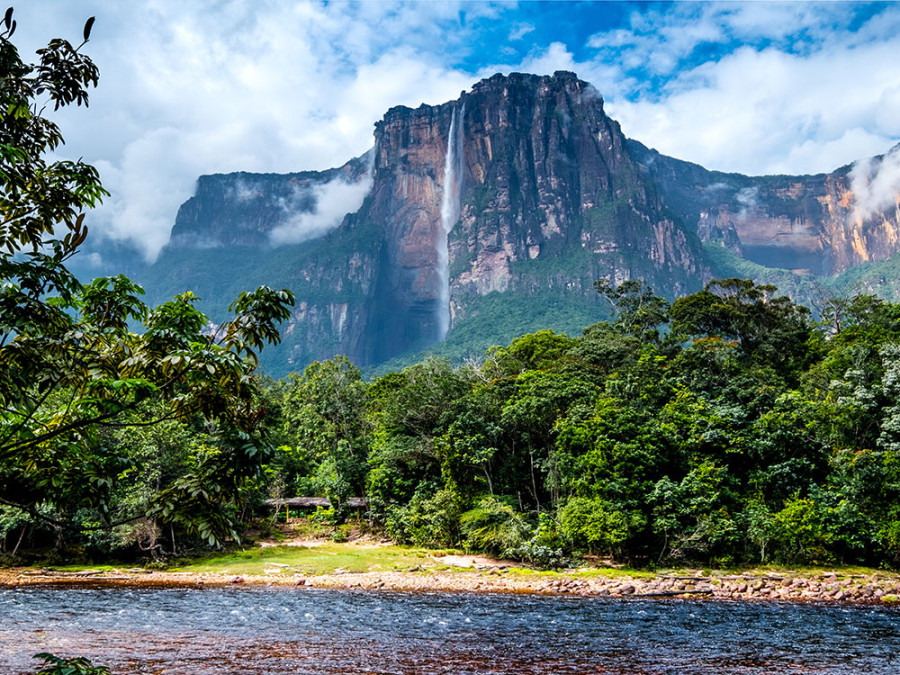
(306, 504)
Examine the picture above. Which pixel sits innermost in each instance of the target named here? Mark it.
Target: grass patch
(606, 572)
(816, 570)
(781, 570)
(84, 567)
(324, 559)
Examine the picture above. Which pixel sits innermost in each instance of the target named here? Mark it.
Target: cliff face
(552, 196)
(244, 209)
(802, 223)
(534, 175)
(494, 213)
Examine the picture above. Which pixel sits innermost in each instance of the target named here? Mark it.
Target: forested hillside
(727, 428)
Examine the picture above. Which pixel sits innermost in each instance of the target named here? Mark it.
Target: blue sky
(280, 85)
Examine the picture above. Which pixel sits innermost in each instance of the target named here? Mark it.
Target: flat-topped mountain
(485, 217)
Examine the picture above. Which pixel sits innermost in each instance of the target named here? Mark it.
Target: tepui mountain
(474, 221)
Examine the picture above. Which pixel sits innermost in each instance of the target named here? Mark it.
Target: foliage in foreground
(55, 665)
(77, 381)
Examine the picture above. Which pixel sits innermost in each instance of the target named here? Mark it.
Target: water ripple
(252, 630)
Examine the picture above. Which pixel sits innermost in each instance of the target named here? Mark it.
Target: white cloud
(769, 109)
(189, 89)
(334, 200)
(543, 62)
(520, 30)
(876, 184)
(194, 88)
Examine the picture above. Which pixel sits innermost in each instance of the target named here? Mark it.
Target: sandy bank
(825, 587)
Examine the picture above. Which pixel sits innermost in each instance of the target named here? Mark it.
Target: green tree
(325, 419)
(800, 531)
(533, 351)
(70, 366)
(768, 328)
(590, 524)
(637, 311)
(529, 418)
(412, 458)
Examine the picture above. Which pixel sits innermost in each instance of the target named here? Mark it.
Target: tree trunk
(487, 474)
(537, 500)
(21, 537)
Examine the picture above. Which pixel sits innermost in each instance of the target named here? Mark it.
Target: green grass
(324, 559)
(605, 572)
(841, 571)
(815, 570)
(84, 567)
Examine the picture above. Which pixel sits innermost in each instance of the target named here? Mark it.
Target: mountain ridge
(494, 209)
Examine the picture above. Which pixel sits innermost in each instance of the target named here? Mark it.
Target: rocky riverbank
(821, 587)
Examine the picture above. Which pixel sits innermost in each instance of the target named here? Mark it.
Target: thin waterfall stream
(450, 211)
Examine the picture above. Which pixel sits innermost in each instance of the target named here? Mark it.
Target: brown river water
(297, 630)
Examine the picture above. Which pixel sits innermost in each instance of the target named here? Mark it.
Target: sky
(191, 88)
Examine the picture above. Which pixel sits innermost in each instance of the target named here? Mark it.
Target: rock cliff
(801, 223)
(491, 215)
(529, 185)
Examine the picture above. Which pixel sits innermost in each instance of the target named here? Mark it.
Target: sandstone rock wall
(803, 223)
(552, 197)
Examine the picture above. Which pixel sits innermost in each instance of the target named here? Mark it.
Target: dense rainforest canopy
(728, 427)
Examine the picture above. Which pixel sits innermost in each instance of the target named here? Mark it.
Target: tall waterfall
(450, 207)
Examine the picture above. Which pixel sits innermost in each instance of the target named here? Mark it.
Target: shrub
(75, 666)
(494, 527)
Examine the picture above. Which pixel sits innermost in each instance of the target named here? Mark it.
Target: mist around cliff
(333, 200)
(876, 184)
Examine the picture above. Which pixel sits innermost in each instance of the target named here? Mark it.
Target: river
(260, 630)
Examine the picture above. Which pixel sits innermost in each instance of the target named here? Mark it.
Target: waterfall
(450, 207)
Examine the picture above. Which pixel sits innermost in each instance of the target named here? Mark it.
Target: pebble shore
(825, 587)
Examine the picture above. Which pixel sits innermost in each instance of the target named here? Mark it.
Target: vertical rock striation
(549, 198)
(502, 207)
(801, 223)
